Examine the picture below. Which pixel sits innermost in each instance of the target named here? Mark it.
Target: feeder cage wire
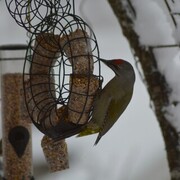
(29, 14)
(64, 68)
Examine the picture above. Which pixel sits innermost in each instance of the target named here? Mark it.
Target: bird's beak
(107, 63)
(104, 61)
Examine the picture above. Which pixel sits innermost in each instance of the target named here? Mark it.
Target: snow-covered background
(157, 28)
(133, 149)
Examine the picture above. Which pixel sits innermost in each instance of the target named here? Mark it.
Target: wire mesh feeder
(30, 13)
(64, 76)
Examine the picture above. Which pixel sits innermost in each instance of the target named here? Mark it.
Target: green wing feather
(89, 129)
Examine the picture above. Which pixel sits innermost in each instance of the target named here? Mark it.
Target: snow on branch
(159, 29)
(173, 7)
(152, 28)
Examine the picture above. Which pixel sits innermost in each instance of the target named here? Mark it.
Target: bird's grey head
(120, 67)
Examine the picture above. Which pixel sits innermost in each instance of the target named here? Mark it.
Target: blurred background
(133, 149)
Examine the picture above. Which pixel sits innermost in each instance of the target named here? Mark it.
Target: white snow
(175, 7)
(155, 27)
(151, 24)
(133, 149)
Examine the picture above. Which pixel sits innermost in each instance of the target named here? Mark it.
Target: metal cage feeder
(64, 75)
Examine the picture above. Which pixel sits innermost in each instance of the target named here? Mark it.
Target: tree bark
(156, 83)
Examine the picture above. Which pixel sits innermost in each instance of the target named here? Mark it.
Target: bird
(111, 101)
